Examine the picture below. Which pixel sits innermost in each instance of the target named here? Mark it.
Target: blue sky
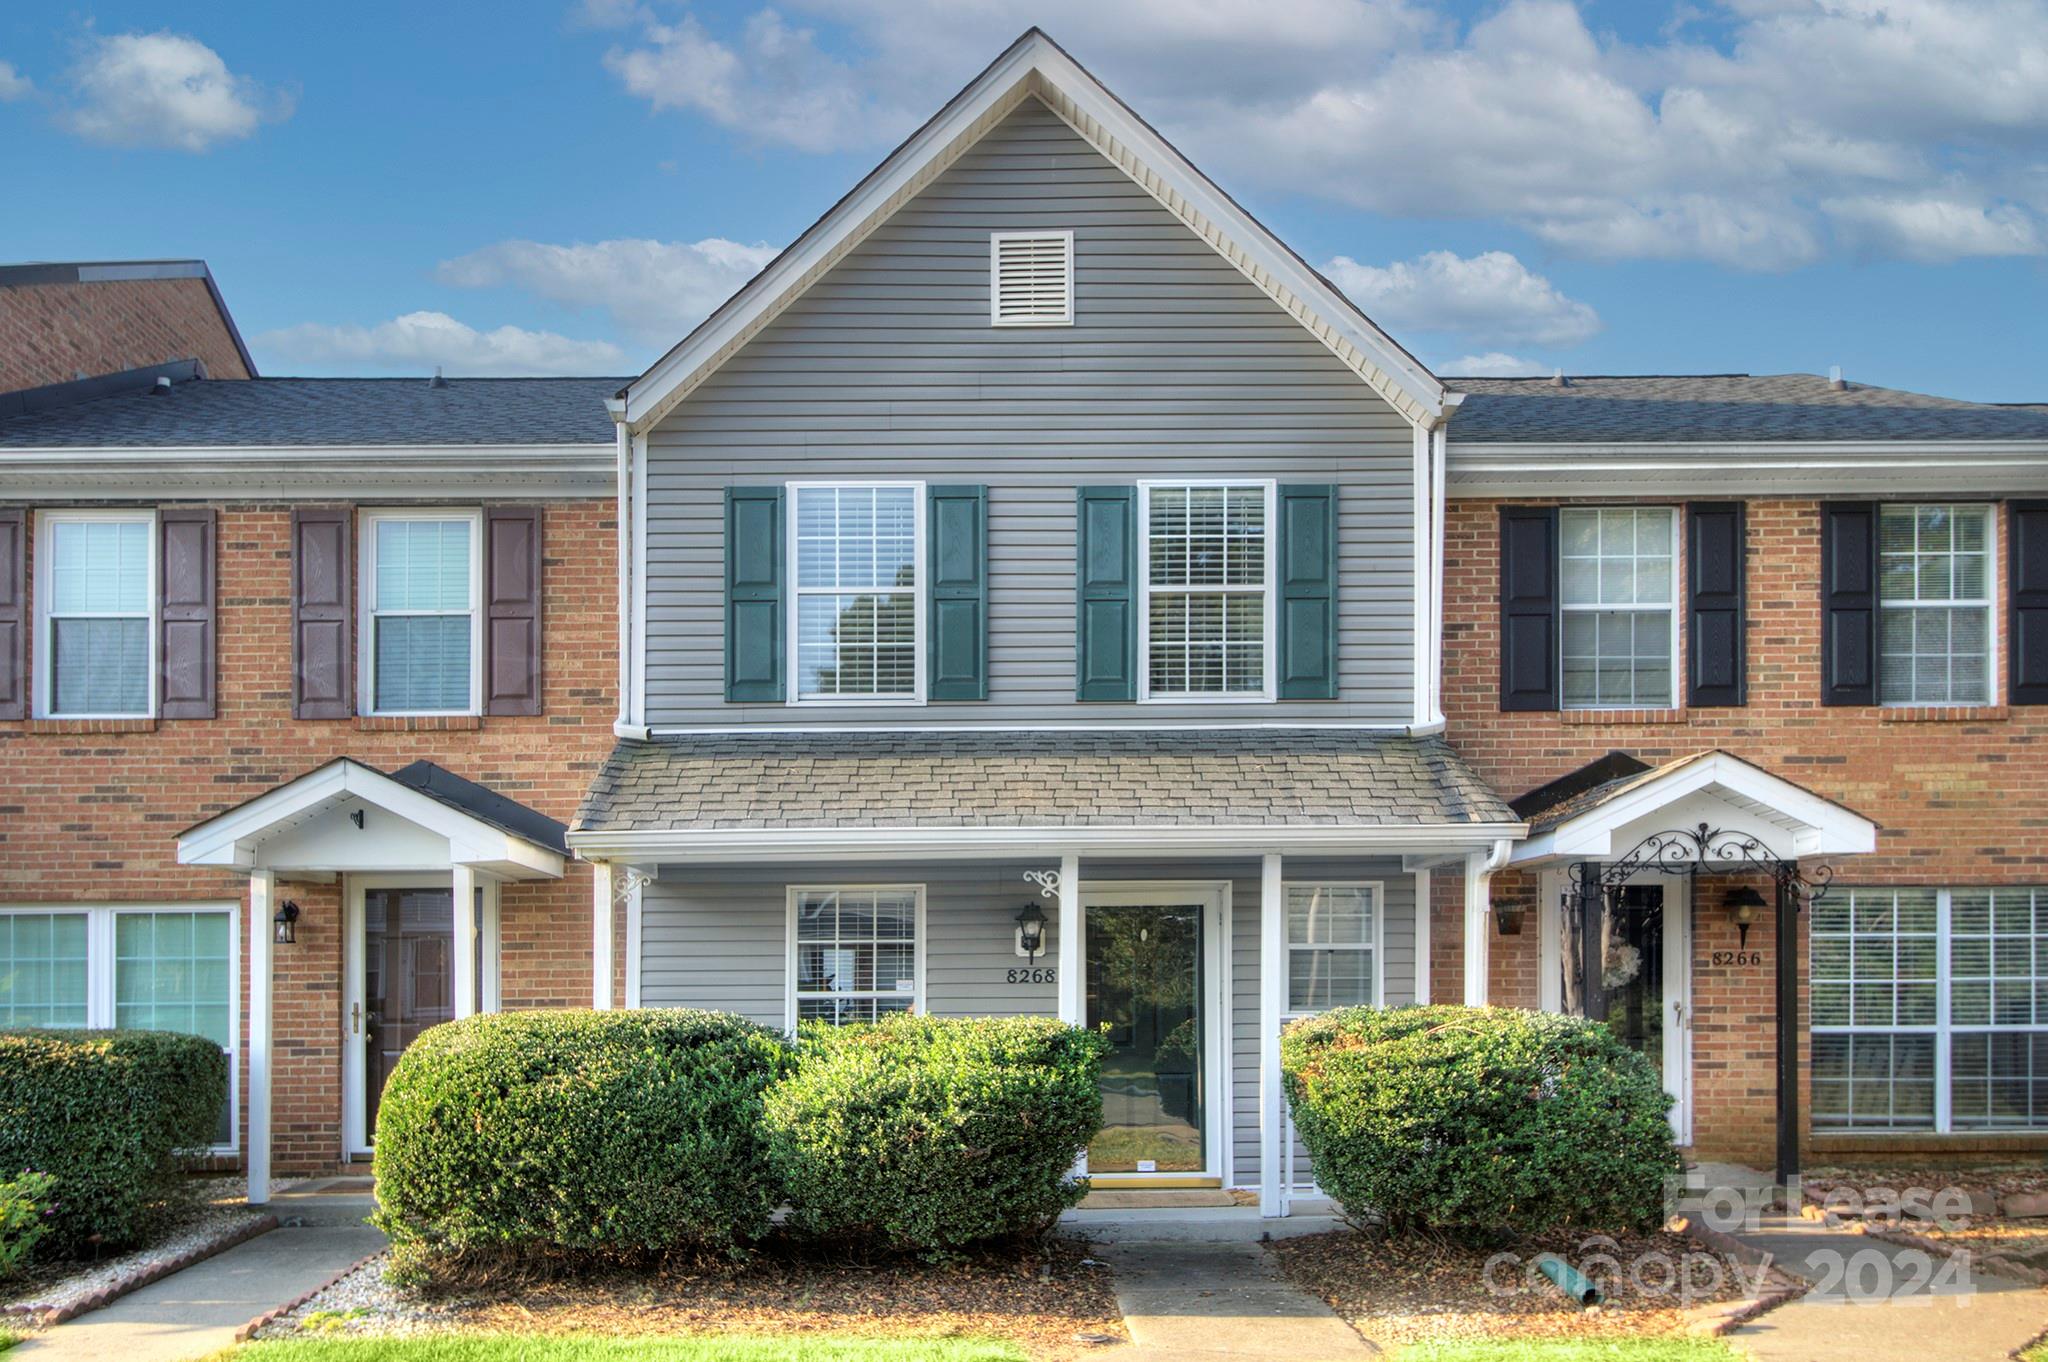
(1759, 185)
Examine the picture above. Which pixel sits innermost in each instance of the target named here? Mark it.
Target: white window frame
(1377, 948)
(995, 281)
(1944, 1029)
(1988, 603)
(1670, 608)
(367, 611)
(44, 651)
(1268, 589)
(794, 892)
(99, 977)
(920, 592)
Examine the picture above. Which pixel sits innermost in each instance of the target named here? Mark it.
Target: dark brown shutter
(2029, 646)
(323, 617)
(14, 617)
(1714, 614)
(1848, 603)
(1528, 607)
(512, 609)
(186, 590)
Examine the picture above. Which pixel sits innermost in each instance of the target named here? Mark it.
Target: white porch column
(262, 907)
(1478, 926)
(601, 877)
(1071, 967)
(462, 969)
(1272, 990)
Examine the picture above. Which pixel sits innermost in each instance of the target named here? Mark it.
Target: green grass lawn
(595, 1348)
(1574, 1350)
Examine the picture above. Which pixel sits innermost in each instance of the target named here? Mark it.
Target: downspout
(1479, 870)
(624, 726)
(1440, 456)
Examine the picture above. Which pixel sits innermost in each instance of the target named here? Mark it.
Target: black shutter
(1528, 607)
(14, 614)
(1716, 672)
(2029, 643)
(323, 613)
(1848, 603)
(186, 591)
(512, 603)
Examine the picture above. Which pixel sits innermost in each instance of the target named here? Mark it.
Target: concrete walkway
(195, 1312)
(1220, 1299)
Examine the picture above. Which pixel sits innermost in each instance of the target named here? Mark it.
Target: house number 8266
(1043, 975)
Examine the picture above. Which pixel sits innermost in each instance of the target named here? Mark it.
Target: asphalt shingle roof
(1707, 407)
(329, 411)
(1047, 779)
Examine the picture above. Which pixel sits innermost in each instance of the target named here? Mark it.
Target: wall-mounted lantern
(1743, 900)
(285, 926)
(1030, 931)
(1507, 916)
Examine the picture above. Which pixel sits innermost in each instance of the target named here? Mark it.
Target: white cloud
(655, 290)
(13, 84)
(420, 341)
(1491, 298)
(608, 13)
(1492, 364)
(1759, 149)
(164, 90)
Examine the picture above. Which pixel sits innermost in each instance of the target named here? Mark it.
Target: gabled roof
(1035, 65)
(128, 336)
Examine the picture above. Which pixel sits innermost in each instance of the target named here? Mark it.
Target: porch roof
(1108, 782)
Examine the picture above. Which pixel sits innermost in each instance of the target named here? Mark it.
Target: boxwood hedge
(580, 1133)
(1461, 1119)
(928, 1134)
(106, 1114)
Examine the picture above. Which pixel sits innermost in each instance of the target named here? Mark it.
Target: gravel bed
(364, 1303)
(219, 1216)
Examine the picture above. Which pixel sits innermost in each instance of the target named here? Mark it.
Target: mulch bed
(2018, 1240)
(1398, 1290)
(1047, 1300)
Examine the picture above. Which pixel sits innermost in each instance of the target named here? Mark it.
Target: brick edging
(1715, 1321)
(248, 1331)
(43, 1317)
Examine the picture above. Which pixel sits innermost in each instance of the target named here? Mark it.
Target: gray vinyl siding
(888, 368)
(718, 938)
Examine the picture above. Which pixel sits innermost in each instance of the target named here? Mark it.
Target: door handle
(355, 1019)
(1678, 1014)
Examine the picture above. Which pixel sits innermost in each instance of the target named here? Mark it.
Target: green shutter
(1308, 593)
(1106, 594)
(753, 594)
(956, 524)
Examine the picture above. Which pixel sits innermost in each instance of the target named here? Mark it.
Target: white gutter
(1733, 468)
(255, 472)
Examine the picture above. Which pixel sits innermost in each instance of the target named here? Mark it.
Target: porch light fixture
(1745, 901)
(1507, 916)
(285, 925)
(1030, 931)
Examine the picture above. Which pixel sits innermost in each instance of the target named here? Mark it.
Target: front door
(408, 939)
(1147, 986)
(1645, 930)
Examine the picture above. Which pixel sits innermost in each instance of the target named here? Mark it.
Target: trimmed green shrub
(930, 1134)
(106, 1114)
(24, 1218)
(1476, 1118)
(582, 1133)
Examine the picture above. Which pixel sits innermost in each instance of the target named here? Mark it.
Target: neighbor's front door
(408, 940)
(1145, 990)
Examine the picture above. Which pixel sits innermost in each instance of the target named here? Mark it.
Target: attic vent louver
(1031, 279)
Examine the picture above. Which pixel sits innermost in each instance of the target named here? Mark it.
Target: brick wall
(92, 817)
(1960, 797)
(51, 333)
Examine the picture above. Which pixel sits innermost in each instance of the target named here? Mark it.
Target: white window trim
(995, 251)
(99, 977)
(1944, 1029)
(789, 962)
(1378, 947)
(920, 592)
(1643, 608)
(1993, 684)
(43, 652)
(366, 608)
(1270, 654)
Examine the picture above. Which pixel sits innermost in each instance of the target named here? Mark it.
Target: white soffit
(1035, 65)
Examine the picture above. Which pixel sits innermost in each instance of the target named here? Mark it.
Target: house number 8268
(1043, 975)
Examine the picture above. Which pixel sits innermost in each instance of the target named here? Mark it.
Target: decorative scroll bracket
(1048, 882)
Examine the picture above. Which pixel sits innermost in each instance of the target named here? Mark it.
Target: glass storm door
(1634, 973)
(408, 940)
(1144, 973)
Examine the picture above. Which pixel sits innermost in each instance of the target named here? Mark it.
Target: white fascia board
(248, 472)
(1035, 65)
(1734, 468)
(870, 844)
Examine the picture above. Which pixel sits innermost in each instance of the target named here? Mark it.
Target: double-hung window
(1618, 597)
(1934, 596)
(422, 644)
(166, 968)
(1930, 1009)
(1207, 613)
(858, 620)
(855, 952)
(96, 594)
(1333, 947)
